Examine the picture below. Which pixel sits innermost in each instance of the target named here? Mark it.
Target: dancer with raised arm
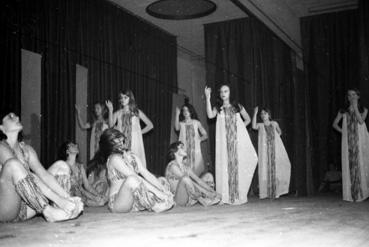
(235, 156)
(191, 134)
(97, 127)
(127, 120)
(355, 148)
(274, 165)
(25, 186)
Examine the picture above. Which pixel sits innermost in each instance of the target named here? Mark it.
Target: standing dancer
(355, 148)
(191, 134)
(274, 164)
(127, 120)
(235, 157)
(98, 126)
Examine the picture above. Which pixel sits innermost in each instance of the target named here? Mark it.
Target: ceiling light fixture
(181, 9)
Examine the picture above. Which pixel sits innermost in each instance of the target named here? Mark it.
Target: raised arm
(360, 116)
(148, 124)
(245, 115)
(112, 117)
(254, 117)
(209, 111)
(82, 125)
(176, 121)
(336, 121)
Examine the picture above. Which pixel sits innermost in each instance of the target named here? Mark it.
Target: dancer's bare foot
(53, 214)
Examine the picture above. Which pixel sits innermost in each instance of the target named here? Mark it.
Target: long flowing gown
(355, 159)
(274, 164)
(189, 136)
(235, 159)
(143, 197)
(98, 128)
(129, 125)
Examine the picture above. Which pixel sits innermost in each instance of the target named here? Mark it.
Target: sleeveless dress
(98, 128)
(274, 164)
(129, 125)
(193, 196)
(355, 159)
(189, 136)
(235, 158)
(144, 199)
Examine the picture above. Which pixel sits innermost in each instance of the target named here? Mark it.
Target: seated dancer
(25, 186)
(132, 186)
(187, 187)
(71, 175)
(97, 176)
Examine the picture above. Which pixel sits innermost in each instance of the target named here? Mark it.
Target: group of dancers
(116, 174)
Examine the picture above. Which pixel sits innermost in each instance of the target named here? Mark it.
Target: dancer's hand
(78, 110)
(207, 92)
(109, 105)
(256, 109)
(178, 111)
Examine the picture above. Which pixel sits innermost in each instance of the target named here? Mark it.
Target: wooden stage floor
(289, 221)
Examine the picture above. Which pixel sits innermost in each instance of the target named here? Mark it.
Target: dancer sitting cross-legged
(71, 175)
(25, 186)
(187, 187)
(132, 186)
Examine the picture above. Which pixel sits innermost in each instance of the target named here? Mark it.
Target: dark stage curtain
(259, 68)
(331, 58)
(119, 50)
(364, 49)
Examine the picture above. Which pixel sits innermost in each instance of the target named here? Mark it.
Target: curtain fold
(120, 51)
(331, 59)
(259, 68)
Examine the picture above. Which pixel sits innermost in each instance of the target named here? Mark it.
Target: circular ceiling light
(181, 9)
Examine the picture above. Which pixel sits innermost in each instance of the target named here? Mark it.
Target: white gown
(235, 159)
(355, 180)
(274, 172)
(189, 136)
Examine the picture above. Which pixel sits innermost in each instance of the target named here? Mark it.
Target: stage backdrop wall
(261, 71)
(118, 49)
(332, 65)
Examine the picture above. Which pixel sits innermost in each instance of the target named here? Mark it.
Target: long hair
(219, 103)
(190, 108)
(347, 103)
(104, 111)
(63, 150)
(107, 146)
(132, 101)
(267, 110)
(173, 148)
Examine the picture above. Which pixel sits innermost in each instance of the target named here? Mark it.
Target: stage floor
(289, 221)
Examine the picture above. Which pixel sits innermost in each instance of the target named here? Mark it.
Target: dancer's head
(226, 96)
(111, 141)
(265, 114)
(176, 149)
(352, 95)
(10, 123)
(99, 109)
(126, 98)
(187, 111)
(66, 149)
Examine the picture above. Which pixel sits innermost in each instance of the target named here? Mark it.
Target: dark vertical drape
(119, 50)
(331, 58)
(260, 70)
(364, 48)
